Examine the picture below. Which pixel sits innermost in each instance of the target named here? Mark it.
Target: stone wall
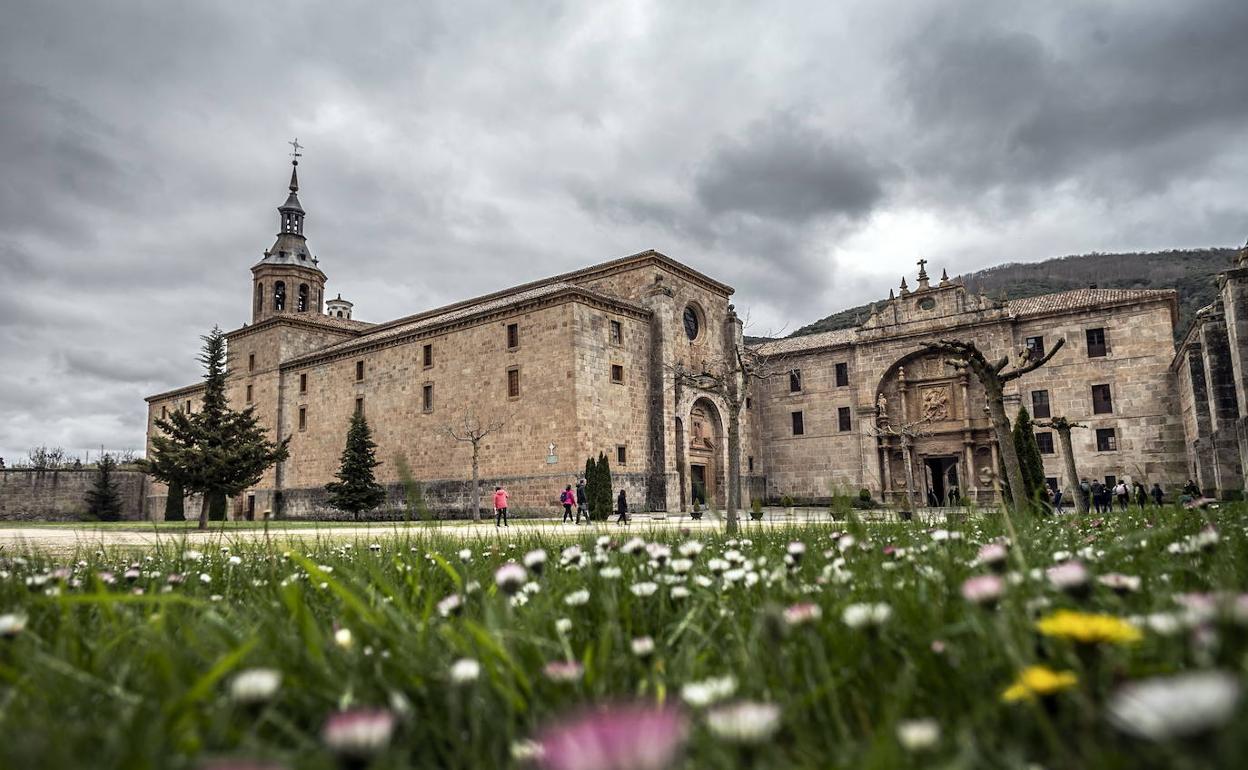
(28, 495)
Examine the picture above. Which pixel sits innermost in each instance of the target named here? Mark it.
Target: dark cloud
(805, 154)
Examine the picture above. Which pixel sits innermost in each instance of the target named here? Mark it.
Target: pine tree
(216, 451)
(175, 501)
(103, 500)
(1029, 459)
(356, 489)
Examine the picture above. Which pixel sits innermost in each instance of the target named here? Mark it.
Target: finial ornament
(922, 269)
(296, 155)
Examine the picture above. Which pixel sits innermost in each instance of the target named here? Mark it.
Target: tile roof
(807, 342)
(1083, 299)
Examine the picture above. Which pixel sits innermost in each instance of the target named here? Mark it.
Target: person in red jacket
(500, 507)
(568, 498)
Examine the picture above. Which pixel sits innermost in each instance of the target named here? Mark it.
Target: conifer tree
(103, 499)
(216, 451)
(1029, 459)
(605, 498)
(175, 502)
(357, 489)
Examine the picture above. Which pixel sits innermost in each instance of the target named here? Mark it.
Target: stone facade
(60, 495)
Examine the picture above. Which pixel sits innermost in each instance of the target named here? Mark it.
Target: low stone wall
(30, 495)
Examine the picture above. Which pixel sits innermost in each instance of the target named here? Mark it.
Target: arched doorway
(706, 450)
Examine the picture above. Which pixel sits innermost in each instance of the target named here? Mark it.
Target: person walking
(1158, 495)
(1191, 489)
(1141, 495)
(500, 507)
(1096, 491)
(1085, 489)
(621, 507)
(1057, 501)
(1124, 496)
(568, 498)
(582, 501)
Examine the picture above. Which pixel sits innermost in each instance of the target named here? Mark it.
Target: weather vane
(296, 155)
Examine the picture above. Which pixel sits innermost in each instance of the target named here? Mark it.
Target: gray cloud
(802, 153)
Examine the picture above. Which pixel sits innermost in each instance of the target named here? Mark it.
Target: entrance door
(251, 507)
(942, 480)
(697, 474)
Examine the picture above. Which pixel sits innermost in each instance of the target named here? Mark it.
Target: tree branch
(1034, 365)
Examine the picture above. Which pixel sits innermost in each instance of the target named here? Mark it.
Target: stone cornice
(185, 390)
(308, 321)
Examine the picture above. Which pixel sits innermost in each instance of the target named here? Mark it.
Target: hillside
(1189, 271)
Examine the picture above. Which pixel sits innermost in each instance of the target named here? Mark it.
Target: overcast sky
(805, 153)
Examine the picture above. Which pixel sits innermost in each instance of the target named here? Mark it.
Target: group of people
(569, 498)
(1103, 496)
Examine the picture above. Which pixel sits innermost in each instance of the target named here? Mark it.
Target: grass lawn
(1116, 642)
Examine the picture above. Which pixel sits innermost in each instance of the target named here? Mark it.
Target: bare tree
(43, 458)
(993, 376)
(473, 429)
(729, 378)
(907, 432)
(1063, 427)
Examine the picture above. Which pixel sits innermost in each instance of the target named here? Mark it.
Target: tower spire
(295, 155)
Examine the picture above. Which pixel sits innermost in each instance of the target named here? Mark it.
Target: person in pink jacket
(568, 498)
(500, 507)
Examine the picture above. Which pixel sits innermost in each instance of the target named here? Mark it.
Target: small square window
(426, 395)
(1035, 348)
(513, 336)
(303, 418)
(617, 333)
(251, 362)
(1096, 343)
(359, 370)
(1102, 400)
(513, 382)
(842, 375)
(1111, 481)
(617, 374)
(249, 394)
(799, 426)
(842, 418)
(795, 381)
(303, 383)
(621, 455)
(1106, 440)
(1044, 441)
(359, 405)
(1040, 404)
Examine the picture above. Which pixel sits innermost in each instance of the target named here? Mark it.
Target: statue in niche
(881, 406)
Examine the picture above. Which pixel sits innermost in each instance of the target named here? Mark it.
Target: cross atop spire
(922, 269)
(296, 155)
(294, 163)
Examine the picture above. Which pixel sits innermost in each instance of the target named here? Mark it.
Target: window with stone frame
(617, 374)
(799, 424)
(426, 397)
(750, 464)
(303, 418)
(616, 334)
(359, 405)
(1044, 440)
(621, 455)
(1096, 343)
(795, 381)
(251, 362)
(842, 419)
(1102, 400)
(249, 394)
(259, 297)
(842, 375)
(279, 296)
(1106, 440)
(513, 382)
(426, 355)
(164, 412)
(1040, 404)
(303, 383)
(302, 301)
(513, 336)
(359, 370)
(1035, 348)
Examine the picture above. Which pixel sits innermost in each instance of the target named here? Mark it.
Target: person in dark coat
(1158, 495)
(1191, 489)
(621, 507)
(1097, 492)
(1141, 495)
(582, 502)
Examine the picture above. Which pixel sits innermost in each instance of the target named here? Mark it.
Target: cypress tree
(591, 485)
(175, 501)
(606, 498)
(1029, 459)
(357, 489)
(103, 500)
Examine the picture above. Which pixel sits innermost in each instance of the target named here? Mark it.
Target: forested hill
(1189, 271)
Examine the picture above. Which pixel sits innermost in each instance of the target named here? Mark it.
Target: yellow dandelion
(1088, 628)
(1036, 681)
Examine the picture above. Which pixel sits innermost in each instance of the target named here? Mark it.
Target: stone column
(1233, 290)
(662, 491)
(1223, 406)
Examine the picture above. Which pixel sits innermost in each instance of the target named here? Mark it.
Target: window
(426, 355)
(617, 374)
(1051, 482)
(249, 394)
(1035, 348)
(749, 462)
(795, 381)
(621, 455)
(617, 333)
(259, 298)
(749, 403)
(188, 406)
(164, 412)
(1102, 401)
(303, 383)
(1040, 404)
(302, 303)
(1106, 440)
(799, 427)
(842, 375)
(251, 362)
(1111, 481)
(513, 336)
(427, 397)
(1096, 343)
(693, 323)
(303, 418)
(842, 418)
(1044, 440)
(513, 382)
(359, 370)
(359, 405)
(279, 296)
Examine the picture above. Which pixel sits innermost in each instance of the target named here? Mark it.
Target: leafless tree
(906, 432)
(1063, 428)
(993, 376)
(43, 458)
(471, 428)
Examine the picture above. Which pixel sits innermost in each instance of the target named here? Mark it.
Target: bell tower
(287, 280)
